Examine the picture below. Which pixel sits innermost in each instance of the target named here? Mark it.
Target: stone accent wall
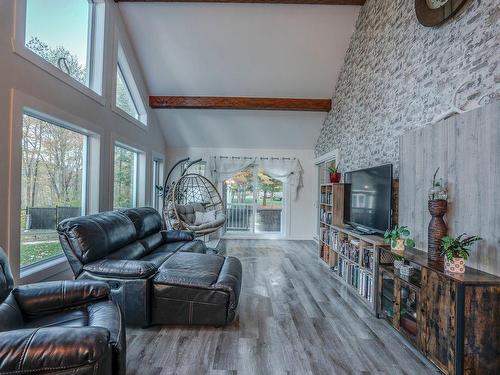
(399, 75)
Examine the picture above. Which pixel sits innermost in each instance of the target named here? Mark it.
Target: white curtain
(289, 171)
(222, 167)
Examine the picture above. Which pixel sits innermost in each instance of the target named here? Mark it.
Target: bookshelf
(351, 256)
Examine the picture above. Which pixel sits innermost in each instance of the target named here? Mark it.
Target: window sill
(38, 61)
(129, 118)
(43, 270)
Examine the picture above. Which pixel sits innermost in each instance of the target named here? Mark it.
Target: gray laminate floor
(295, 318)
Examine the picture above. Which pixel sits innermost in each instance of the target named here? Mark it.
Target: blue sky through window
(60, 23)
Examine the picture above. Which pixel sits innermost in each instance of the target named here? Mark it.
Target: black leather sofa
(156, 276)
(61, 327)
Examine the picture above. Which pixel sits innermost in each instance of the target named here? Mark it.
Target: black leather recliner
(156, 276)
(60, 327)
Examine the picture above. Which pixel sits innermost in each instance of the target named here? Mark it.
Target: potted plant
(335, 175)
(456, 251)
(398, 237)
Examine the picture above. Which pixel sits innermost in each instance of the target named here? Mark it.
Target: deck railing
(240, 218)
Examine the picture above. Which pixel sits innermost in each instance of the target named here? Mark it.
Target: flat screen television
(369, 199)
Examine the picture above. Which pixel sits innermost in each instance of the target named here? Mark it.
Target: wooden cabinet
(453, 319)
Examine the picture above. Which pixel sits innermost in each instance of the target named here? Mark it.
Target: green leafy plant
(434, 182)
(458, 247)
(333, 168)
(393, 235)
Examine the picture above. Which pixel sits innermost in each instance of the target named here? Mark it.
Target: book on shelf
(325, 216)
(358, 278)
(326, 198)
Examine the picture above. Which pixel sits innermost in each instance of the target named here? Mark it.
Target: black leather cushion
(177, 235)
(93, 237)
(46, 298)
(55, 350)
(146, 220)
(152, 242)
(122, 268)
(103, 314)
(193, 288)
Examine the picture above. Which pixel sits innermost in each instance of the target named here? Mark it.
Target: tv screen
(369, 200)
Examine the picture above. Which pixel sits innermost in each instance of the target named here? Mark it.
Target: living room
(254, 187)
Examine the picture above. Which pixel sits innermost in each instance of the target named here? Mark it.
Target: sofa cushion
(146, 220)
(93, 237)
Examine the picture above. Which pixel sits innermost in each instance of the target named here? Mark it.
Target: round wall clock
(435, 12)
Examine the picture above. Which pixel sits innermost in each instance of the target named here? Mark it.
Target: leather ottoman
(192, 288)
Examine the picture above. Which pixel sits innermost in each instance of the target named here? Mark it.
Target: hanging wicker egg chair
(195, 204)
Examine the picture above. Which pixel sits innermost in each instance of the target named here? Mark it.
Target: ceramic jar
(456, 265)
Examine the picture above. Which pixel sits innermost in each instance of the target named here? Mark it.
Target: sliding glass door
(254, 203)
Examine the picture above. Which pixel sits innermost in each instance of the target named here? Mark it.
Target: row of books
(357, 277)
(338, 244)
(325, 216)
(326, 235)
(326, 198)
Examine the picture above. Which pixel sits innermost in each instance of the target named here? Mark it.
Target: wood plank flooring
(294, 318)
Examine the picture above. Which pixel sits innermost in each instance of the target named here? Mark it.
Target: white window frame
(25, 104)
(139, 188)
(130, 83)
(157, 175)
(96, 50)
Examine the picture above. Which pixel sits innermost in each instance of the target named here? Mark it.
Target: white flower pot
(457, 265)
(400, 245)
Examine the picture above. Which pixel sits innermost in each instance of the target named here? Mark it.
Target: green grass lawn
(35, 252)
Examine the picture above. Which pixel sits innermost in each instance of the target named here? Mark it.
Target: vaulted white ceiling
(240, 50)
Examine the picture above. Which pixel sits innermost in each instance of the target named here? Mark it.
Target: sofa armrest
(122, 269)
(43, 298)
(177, 235)
(52, 349)
(230, 280)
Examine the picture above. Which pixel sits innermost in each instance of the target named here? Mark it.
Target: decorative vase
(437, 229)
(400, 245)
(335, 177)
(456, 265)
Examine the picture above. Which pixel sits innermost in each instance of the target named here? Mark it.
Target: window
(128, 98)
(157, 196)
(53, 185)
(123, 98)
(125, 178)
(69, 36)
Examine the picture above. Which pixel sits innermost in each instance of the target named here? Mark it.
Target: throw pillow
(204, 217)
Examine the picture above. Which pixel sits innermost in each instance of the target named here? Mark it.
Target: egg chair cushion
(220, 219)
(187, 212)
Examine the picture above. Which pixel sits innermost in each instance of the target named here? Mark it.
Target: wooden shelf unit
(351, 256)
(354, 262)
(453, 319)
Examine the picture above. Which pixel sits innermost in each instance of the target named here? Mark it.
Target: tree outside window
(52, 185)
(125, 178)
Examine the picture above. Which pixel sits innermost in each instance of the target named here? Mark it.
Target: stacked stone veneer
(399, 75)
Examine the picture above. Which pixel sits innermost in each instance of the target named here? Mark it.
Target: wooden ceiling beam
(309, 2)
(241, 103)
